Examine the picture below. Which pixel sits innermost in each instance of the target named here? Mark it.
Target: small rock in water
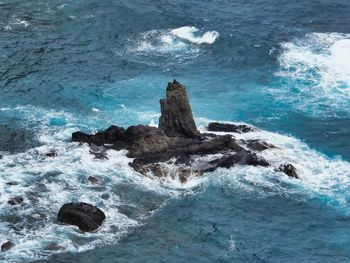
(51, 153)
(289, 170)
(6, 246)
(93, 180)
(226, 127)
(15, 200)
(12, 183)
(258, 145)
(53, 246)
(87, 217)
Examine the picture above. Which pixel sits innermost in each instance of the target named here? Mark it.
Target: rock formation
(87, 217)
(178, 144)
(176, 118)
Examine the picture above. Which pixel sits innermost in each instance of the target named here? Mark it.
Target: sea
(280, 66)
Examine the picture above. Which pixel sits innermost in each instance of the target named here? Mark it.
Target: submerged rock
(176, 118)
(226, 127)
(87, 217)
(93, 180)
(51, 153)
(6, 246)
(289, 170)
(15, 200)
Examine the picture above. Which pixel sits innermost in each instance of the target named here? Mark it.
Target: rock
(289, 170)
(145, 139)
(51, 153)
(15, 200)
(98, 151)
(93, 180)
(87, 217)
(12, 183)
(258, 145)
(6, 246)
(226, 127)
(176, 118)
(109, 136)
(175, 147)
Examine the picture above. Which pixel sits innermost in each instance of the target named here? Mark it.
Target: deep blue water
(282, 66)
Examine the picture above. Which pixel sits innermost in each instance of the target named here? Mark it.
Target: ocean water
(282, 66)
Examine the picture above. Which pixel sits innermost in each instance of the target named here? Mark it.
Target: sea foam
(316, 68)
(190, 33)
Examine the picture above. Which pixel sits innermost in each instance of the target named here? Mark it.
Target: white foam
(189, 33)
(182, 43)
(317, 69)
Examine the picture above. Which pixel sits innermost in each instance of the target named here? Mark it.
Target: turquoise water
(84, 65)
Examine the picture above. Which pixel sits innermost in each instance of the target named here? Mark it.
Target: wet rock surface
(289, 170)
(6, 246)
(176, 146)
(176, 118)
(87, 217)
(15, 200)
(226, 127)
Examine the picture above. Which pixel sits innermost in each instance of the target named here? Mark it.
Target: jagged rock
(226, 127)
(87, 217)
(93, 180)
(176, 118)
(289, 170)
(109, 136)
(258, 145)
(6, 246)
(176, 142)
(15, 200)
(145, 139)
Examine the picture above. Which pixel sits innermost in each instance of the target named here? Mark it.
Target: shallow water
(84, 65)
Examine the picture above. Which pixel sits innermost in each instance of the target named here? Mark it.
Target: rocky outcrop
(87, 217)
(176, 118)
(226, 127)
(176, 148)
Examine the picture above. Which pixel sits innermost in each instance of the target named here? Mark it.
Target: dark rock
(6, 246)
(51, 153)
(15, 200)
(109, 136)
(93, 180)
(176, 118)
(12, 183)
(87, 217)
(226, 127)
(145, 139)
(289, 170)
(53, 246)
(258, 145)
(98, 151)
(176, 142)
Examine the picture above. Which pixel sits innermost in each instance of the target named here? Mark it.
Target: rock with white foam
(87, 217)
(176, 143)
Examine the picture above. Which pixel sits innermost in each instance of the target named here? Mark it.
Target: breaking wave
(316, 69)
(183, 43)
